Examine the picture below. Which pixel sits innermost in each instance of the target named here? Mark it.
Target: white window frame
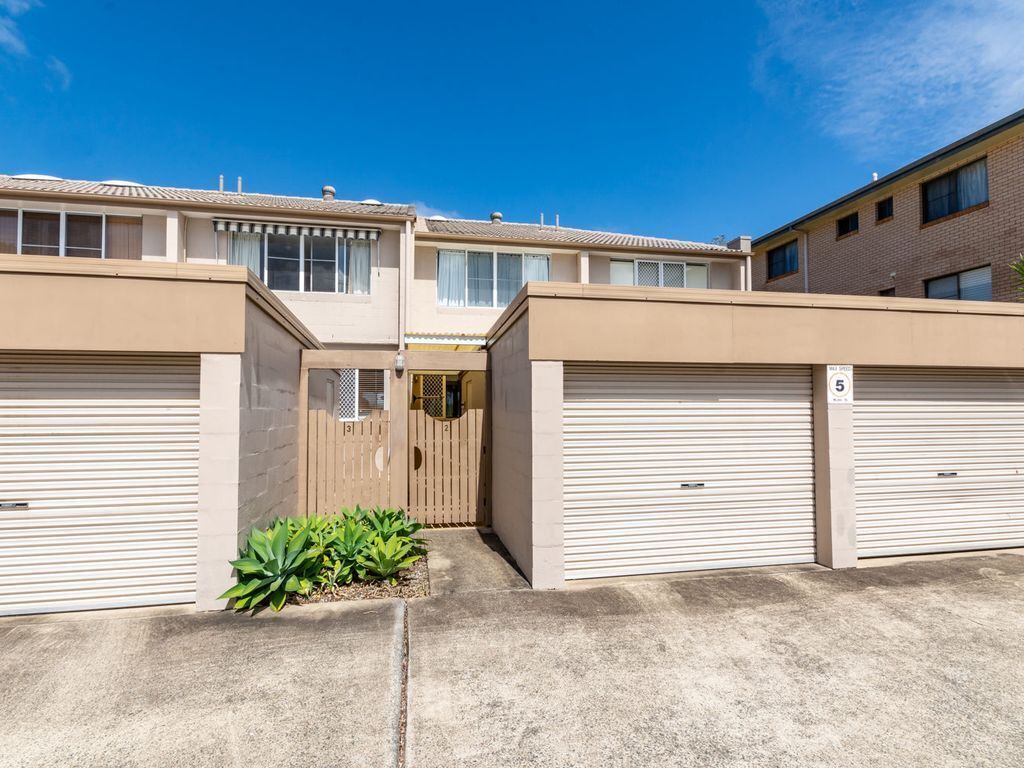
(661, 270)
(341, 248)
(63, 238)
(494, 274)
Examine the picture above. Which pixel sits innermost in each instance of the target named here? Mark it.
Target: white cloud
(61, 73)
(10, 38)
(888, 81)
(18, 7)
(424, 210)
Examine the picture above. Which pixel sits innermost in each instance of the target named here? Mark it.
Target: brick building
(945, 226)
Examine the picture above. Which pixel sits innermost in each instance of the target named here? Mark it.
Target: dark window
(8, 231)
(783, 260)
(883, 209)
(320, 270)
(84, 236)
(887, 292)
(40, 234)
(955, 191)
(847, 224)
(972, 285)
(283, 262)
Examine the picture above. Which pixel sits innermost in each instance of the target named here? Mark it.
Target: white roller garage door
(98, 481)
(940, 460)
(686, 468)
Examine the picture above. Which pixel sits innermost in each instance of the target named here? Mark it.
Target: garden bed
(413, 582)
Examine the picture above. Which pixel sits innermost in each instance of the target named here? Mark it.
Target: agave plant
(344, 552)
(272, 566)
(386, 557)
(388, 523)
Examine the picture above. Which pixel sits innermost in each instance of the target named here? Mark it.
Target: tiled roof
(569, 236)
(175, 194)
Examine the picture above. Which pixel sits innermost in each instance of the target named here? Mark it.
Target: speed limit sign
(840, 383)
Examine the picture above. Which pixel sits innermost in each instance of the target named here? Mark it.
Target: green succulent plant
(386, 557)
(272, 566)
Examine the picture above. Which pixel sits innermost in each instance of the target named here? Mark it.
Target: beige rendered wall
(526, 462)
(863, 263)
(614, 324)
(511, 444)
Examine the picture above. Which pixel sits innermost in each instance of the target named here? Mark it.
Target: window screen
(83, 236)
(40, 233)
(283, 262)
(8, 231)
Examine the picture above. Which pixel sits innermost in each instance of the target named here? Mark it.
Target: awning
(275, 228)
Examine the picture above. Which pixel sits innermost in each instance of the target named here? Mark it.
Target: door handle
(691, 485)
(946, 474)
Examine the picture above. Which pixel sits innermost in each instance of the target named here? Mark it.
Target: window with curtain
(283, 257)
(246, 250)
(40, 233)
(357, 266)
(480, 279)
(486, 278)
(955, 191)
(971, 285)
(784, 260)
(8, 231)
(451, 278)
(124, 237)
(510, 277)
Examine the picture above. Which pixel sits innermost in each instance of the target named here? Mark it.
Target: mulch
(414, 582)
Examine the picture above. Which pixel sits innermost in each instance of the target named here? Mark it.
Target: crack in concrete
(403, 696)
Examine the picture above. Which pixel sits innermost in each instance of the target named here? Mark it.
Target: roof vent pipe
(496, 217)
(239, 185)
(542, 218)
(874, 176)
(220, 186)
(556, 221)
(328, 192)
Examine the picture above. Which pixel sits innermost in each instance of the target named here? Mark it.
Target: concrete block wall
(269, 422)
(863, 263)
(248, 446)
(511, 444)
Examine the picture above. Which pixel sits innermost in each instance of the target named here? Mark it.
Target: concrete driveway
(304, 688)
(915, 664)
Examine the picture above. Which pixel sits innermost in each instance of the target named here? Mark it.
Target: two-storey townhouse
(946, 226)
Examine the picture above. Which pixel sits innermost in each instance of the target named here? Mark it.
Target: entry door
(686, 468)
(99, 481)
(940, 460)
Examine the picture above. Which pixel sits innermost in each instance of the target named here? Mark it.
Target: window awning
(275, 228)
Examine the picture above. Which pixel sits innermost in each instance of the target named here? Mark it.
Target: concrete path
(917, 664)
(469, 560)
(318, 686)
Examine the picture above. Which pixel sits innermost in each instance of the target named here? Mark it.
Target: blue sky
(673, 119)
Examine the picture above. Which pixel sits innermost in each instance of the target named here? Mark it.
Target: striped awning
(276, 228)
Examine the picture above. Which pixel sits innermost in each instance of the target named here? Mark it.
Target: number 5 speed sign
(840, 383)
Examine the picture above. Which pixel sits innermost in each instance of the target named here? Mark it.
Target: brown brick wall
(862, 263)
